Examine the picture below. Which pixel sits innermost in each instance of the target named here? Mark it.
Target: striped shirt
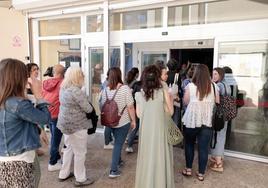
(123, 98)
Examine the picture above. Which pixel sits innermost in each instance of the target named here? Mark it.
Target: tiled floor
(238, 173)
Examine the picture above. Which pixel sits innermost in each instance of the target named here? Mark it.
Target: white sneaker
(54, 167)
(109, 146)
(129, 150)
(46, 128)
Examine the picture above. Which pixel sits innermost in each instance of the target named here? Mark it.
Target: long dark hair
(131, 75)
(150, 81)
(115, 77)
(202, 80)
(29, 68)
(221, 73)
(13, 79)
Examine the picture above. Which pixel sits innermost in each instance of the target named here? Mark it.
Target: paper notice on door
(63, 63)
(74, 64)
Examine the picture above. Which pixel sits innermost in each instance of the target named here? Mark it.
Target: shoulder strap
(176, 78)
(225, 92)
(106, 94)
(214, 91)
(123, 110)
(116, 92)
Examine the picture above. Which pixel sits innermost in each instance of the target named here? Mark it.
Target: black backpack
(94, 119)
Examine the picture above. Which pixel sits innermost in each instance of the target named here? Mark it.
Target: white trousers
(76, 146)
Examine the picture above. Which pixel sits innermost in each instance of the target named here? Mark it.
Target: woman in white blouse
(200, 99)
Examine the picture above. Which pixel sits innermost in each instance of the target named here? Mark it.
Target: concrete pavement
(237, 173)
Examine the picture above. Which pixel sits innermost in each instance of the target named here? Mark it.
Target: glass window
(59, 51)
(249, 82)
(128, 57)
(63, 26)
(186, 15)
(233, 10)
(95, 23)
(115, 23)
(149, 58)
(140, 19)
(96, 70)
(114, 57)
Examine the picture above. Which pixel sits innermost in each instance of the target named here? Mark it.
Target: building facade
(13, 34)
(99, 34)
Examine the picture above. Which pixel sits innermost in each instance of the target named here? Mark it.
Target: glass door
(248, 132)
(95, 62)
(149, 58)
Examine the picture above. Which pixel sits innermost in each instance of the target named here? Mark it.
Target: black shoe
(114, 174)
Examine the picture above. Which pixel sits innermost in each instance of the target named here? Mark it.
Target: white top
(27, 156)
(198, 112)
(123, 98)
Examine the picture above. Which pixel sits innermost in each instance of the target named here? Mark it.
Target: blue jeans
(56, 135)
(132, 134)
(120, 135)
(218, 151)
(203, 136)
(107, 135)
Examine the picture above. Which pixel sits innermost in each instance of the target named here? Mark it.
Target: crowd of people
(27, 105)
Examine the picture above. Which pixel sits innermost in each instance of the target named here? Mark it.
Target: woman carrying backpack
(124, 100)
(217, 152)
(135, 86)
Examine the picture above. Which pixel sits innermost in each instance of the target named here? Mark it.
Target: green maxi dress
(155, 155)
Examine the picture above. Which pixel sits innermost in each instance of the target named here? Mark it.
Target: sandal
(187, 172)
(200, 176)
(212, 159)
(218, 167)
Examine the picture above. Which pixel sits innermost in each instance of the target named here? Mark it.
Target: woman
(132, 76)
(199, 97)
(167, 78)
(19, 137)
(155, 155)
(134, 85)
(33, 73)
(124, 100)
(73, 123)
(218, 152)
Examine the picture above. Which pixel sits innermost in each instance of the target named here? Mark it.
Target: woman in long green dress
(155, 155)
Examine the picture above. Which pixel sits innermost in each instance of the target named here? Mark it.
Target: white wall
(13, 34)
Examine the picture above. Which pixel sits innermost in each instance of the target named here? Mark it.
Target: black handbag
(94, 119)
(217, 119)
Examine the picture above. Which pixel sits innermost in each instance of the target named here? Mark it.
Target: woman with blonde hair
(73, 123)
(200, 99)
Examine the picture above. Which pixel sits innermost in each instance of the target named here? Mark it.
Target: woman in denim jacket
(19, 133)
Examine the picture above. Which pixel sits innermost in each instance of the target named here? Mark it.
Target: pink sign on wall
(16, 41)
